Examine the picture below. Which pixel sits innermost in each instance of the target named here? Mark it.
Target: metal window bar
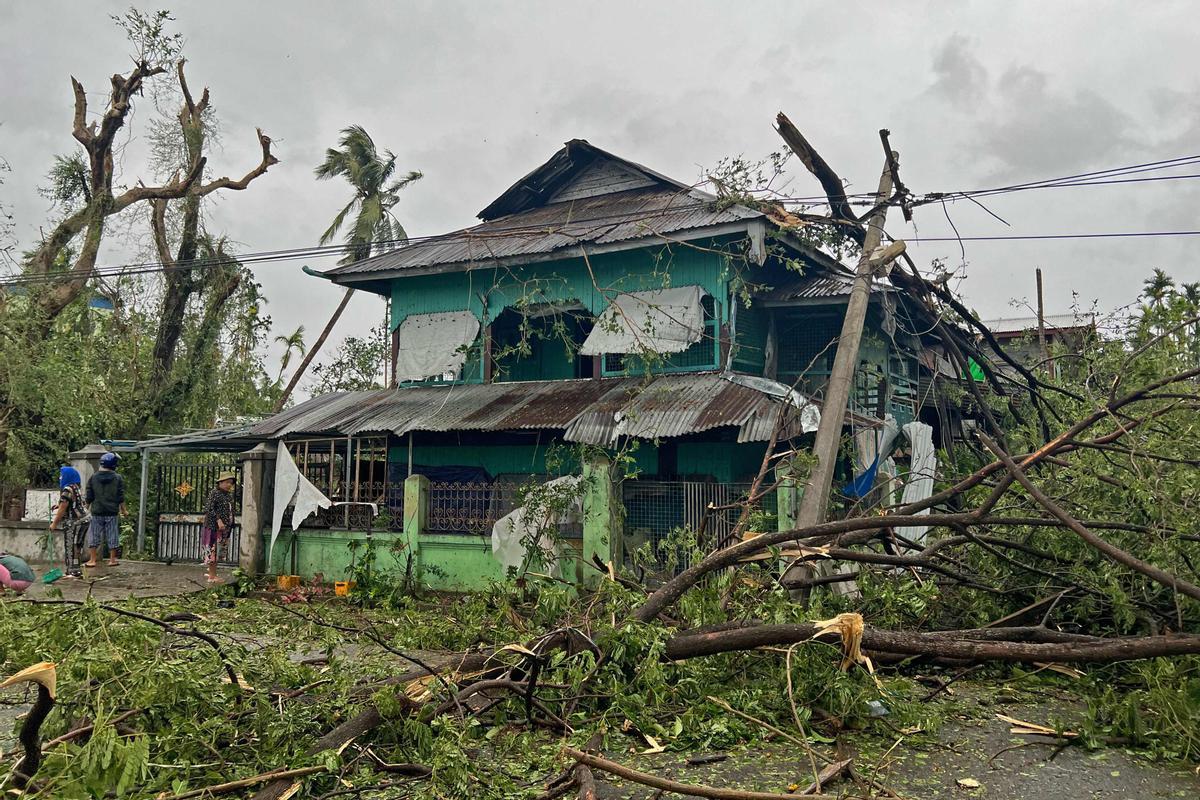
(655, 510)
(323, 462)
(470, 508)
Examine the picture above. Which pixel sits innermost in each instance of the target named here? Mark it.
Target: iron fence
(178, 539)
(181, 489)
(470, 508)
(667, 521)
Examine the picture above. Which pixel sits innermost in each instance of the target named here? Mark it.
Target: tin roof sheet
(594, 411)
(603, 219)
(817, 287)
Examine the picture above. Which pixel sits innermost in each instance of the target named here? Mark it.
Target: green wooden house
(599, 310)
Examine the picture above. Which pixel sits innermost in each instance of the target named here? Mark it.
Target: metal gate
(180, 492)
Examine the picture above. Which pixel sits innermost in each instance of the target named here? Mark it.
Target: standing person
(106, 499)
(15, 573)
(218, 521)
(71, 514)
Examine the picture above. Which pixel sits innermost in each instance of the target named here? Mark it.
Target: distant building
(1063, 332)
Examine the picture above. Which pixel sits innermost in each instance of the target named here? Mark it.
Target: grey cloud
(960, 77)
(476, 95)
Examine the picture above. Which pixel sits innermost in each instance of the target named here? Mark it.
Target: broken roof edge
(364, 279)
(540, 183)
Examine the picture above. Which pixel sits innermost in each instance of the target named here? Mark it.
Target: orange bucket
(287, 583)
(342, 588)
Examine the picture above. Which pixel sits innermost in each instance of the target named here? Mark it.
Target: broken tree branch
(1161, 576)
(943, 645)
(691, 789)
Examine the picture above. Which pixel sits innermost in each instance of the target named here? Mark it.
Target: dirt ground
(127, 579)
(971, 755)
(970, 747)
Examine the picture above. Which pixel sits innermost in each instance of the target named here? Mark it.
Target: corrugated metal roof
(604, 219)
(1019, 325)
(542, 183)
(596, 411)
(818, 287)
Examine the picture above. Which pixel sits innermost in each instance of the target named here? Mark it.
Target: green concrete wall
(445, 561)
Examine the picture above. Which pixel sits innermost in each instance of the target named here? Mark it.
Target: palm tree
(1158, 287)
(372, 175)
(375, 193)
(294, 341)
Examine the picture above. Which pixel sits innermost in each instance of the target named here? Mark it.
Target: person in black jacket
(106, 500)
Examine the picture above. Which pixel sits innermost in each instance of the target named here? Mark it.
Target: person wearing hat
(218, 521)
(71, 517)
(105, 497)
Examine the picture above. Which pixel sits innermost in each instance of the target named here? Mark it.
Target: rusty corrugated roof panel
(603, 219)
(594, 411)
(817, 287)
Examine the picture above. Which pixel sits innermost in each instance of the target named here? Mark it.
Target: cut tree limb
(913, 643)
(666, 785)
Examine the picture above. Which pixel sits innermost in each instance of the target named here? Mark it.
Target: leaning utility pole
(837, 393)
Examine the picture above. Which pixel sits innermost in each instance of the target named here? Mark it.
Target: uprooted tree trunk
(960, 645)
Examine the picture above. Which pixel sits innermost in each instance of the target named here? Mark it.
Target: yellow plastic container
(342, 588)
(287, 583)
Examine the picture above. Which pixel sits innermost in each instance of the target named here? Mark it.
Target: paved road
(128, 579)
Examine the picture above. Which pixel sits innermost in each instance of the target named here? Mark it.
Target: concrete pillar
(256, 505)
(87, 460)
(602, 515)
(788, 494)
(416, 514)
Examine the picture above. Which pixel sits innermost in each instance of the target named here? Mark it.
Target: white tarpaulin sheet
(433, 345)
(658, 321)
(511, 532)
(874, 443)
(921, 474)
(292, 488)
(810, 413)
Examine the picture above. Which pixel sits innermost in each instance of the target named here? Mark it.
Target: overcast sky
(477, 94)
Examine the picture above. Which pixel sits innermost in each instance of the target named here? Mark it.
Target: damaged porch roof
(596, 411)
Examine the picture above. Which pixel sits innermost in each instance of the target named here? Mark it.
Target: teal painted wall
(751, 337)
(726, 462)
(496, 459)
(487, 292)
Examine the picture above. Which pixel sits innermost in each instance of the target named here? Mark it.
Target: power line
(486, 231)
(481, 232)
(1030, 237)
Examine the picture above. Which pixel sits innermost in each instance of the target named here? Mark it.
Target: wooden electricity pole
(1041, 320)
(837, 393)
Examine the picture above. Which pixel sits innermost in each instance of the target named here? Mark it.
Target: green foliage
(357, 365)
(68, 181)
(86, 380)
